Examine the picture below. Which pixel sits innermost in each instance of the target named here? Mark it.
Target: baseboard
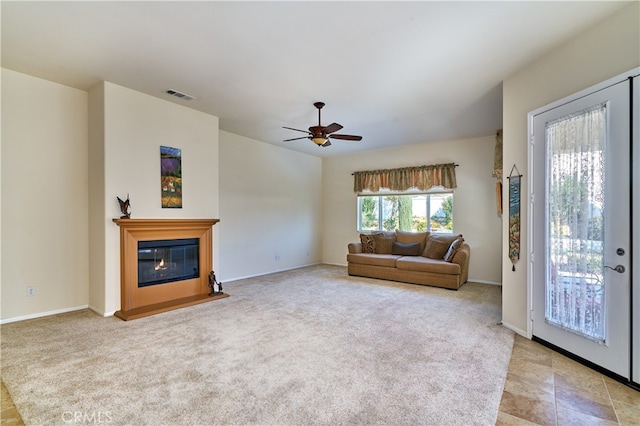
(228, 280)
(469, 280)
(109, 314)
(335, 264)
(473, 280)
(43, 314)
(516, 329)
(99, 312)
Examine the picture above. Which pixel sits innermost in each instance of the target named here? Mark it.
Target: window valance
(421, 177)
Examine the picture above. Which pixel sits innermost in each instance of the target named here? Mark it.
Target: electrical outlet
(277, 258)
(31, 291)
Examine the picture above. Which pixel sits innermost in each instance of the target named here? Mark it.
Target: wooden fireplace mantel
(137, 302)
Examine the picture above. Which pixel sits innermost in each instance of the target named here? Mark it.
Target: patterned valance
(421, 177)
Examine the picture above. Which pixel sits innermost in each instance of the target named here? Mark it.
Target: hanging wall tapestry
(514, 216)
(171, 177)
(497, 169)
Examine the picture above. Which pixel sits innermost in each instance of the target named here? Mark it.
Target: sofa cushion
(409, 249)
(453, 249)
(384, 242)
(354, 247)
(424, 264)
(438, 244)
(373, 259)
(406, 237)
(368, 243)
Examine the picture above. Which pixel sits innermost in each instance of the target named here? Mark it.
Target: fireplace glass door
(165, 261)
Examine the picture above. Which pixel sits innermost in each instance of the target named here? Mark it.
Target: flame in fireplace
(160, 265)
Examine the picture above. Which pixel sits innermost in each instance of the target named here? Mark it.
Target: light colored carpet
(311, 346)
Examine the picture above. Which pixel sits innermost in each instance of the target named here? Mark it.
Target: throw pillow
(368, 243)
(384, 242)
(411, 249)
(453, 249)
(406, 237)
(437, 245)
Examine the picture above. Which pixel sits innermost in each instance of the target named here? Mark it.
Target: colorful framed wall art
(171, 177)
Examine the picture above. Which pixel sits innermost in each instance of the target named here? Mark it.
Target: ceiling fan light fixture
(320, 134)
(319, 141)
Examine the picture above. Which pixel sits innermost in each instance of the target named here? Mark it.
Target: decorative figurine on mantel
(124, 207)
(214, 284)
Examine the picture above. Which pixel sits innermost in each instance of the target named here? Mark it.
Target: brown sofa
(415, 258)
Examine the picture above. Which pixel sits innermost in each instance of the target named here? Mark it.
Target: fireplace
(166, 261)
(164, 265)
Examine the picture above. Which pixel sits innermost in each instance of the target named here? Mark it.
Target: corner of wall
(96, 198)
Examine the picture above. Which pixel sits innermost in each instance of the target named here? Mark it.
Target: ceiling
(393, 72)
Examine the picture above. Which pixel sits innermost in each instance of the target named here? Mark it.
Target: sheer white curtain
(575, 210)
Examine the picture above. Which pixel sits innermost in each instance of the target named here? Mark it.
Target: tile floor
(9, 416)
(542, 388)
(546, 388)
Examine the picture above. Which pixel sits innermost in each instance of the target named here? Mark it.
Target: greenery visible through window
(416, 212)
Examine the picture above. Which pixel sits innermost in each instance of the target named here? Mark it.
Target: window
(417, 212)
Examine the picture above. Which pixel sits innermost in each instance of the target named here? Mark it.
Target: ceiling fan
(320, 134)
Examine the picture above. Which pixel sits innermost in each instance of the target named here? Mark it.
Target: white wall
(1, 80)
(106, 144)
(135, 126)
(270, 208)
(45, 196)
(603, 51)
(475, 213)
(44, 181)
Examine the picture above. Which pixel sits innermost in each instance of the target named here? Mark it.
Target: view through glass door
(580, 204)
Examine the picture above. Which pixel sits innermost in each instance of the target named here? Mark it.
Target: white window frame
(386, 193)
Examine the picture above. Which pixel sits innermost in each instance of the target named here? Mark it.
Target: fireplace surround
(178, 251)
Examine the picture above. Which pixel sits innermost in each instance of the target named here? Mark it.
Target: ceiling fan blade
(326, 144)
(334, 127)
(346, 137)
(295, 139)
(297, 130)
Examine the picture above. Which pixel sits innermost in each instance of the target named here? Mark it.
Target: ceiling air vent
(180, 95)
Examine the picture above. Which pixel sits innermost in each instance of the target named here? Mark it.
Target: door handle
(619, 268)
